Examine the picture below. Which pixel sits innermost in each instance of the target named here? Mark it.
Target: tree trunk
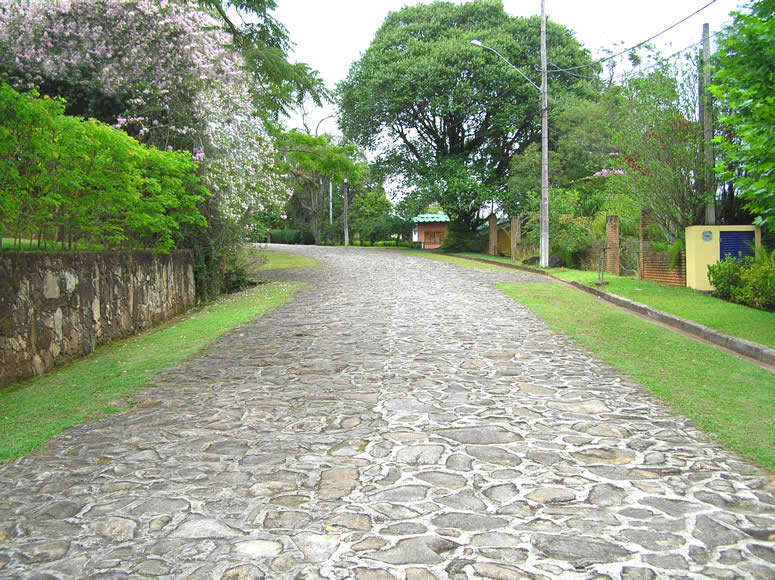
(493, 237)
(516, 237)
(345, 195)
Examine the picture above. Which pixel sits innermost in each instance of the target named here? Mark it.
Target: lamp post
(543, 90)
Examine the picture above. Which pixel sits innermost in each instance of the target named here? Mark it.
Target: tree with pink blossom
(175, 74)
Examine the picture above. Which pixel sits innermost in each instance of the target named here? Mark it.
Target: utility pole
(345, 194)
(706, 117)
(544, 90)
(544, 247)
(330, 202)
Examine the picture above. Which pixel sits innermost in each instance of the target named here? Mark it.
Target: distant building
(431, 229)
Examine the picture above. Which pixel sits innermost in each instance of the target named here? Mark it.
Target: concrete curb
(505, 265)
(746, 348)
(752, 350)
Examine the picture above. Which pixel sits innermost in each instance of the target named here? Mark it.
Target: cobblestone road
(400, 419)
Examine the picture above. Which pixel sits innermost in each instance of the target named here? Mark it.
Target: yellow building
(706, 245)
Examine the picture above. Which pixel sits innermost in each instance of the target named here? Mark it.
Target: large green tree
(445, 116)
(745, 76)
(312, 163)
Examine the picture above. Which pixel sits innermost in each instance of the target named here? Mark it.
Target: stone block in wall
(55, 306)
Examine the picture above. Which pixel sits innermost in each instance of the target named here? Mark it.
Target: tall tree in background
(658, 143)
(312, 163)
(445, 116)
(744, 80)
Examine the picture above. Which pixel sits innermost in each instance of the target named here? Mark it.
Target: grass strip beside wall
(728, 398)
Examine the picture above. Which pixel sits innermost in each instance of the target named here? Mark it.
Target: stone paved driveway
(400, 419)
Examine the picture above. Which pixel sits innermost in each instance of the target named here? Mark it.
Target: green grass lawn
(730, 399)
(734, 319)
(34, 410)
(453, 260)
(273, 260)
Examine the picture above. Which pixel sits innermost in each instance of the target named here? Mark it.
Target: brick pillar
(645, 222)
(493, 246)
(612, 265)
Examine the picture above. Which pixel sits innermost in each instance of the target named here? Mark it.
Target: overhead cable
(627, 50)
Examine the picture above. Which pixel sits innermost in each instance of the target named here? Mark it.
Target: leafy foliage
(176, 74)
(658, 147)
(277, 84)
(312, 163)
(744, 77)
(371, 216)
(76, 180)
(748, 281)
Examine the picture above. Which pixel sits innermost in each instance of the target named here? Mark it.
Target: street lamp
(544, 246)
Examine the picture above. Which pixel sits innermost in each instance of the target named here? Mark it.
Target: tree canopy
(744, 77)
(445, 116)
(311, 164)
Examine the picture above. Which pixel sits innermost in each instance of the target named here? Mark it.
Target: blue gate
(736, 244)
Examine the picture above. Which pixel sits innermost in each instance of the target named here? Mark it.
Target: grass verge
(734, 319)
(273, 260)
(730, 399)
(34, 410)
(453, 260)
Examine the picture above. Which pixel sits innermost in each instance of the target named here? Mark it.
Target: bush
(463, 242)
(748, 281)
(306, 237)
(284, 236)
(81, 181)
(759, 285)
(236, 278)
(394, 244)
(726, 276)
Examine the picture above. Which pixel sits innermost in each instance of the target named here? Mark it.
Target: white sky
(331, 34)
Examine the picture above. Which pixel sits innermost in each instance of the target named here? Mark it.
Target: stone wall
(55, 306)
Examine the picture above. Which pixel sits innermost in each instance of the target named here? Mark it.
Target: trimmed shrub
(758, 289)
(284, 236)
(463, 242)
(749, 281)
(726, 276)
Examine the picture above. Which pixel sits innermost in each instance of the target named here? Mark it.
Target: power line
(641, 69)
(625, 51)
(662, 60)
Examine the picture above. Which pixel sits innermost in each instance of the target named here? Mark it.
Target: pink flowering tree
(162, 70)
(167, 72)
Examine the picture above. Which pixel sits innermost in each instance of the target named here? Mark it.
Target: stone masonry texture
(54, 306)
(400, 419)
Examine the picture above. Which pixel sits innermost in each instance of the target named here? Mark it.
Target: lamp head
(476, 42)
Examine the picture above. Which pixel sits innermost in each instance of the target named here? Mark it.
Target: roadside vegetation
(34, 410)
(272, 260)
(733, 319)
(730, 399)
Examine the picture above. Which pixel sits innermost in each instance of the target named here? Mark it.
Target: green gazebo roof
(432, 217)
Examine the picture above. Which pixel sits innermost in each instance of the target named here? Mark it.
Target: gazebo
(431, 229)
